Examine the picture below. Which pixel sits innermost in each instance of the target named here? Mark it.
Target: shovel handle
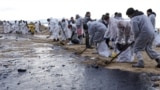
(83, 51)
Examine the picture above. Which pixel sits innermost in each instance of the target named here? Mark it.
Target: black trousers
(87, 42)
(107, 42)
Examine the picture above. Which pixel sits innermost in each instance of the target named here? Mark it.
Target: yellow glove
(113, 54)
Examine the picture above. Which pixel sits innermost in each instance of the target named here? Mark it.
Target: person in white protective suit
(143, 36)
(107, 38)
(26, 28)
(37, 27)
(64, 30)
(11, 27)
(71, 21)
(79, 26)
(112, 31)
(125, 36)
(8, 27)
(22, 27)
(5, 26)
(19, 25)
(74, 36)
(118, 16)
(97, 30)
(16, 27)
(54, 29)
(152, 17)
(69, 32)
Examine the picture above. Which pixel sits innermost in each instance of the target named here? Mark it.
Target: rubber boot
(158, 61)
(139, 64)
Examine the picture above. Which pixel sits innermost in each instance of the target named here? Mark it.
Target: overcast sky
(42, 9)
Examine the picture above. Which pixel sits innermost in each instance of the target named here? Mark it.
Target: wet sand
(34, 63)
(25, 51)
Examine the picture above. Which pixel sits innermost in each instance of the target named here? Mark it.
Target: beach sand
(92, 58)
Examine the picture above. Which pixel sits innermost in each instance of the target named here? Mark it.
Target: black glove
(112, 40)
(107, 39)
(121, 47)
(133, 42)
(69, 39)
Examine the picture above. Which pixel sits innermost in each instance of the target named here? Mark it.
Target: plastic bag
(157, 40)
(103, 49)
(126, 56)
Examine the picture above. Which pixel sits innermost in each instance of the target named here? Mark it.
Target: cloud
(7, 9)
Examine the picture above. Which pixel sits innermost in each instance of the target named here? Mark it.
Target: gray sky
(42, 9)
